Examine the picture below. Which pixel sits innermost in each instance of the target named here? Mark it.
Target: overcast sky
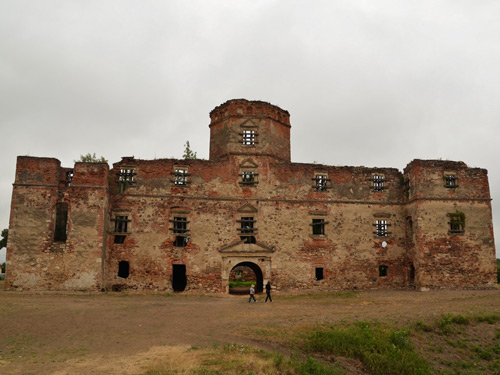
(367, 83)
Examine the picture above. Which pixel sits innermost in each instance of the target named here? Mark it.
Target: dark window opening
(321, 182)
(179, 278)
(69, 177)
(123, 269)
(318, 227)
(181, 177)
(121, 226)
(248, 178)
(119, 239)
(180, 230)
(378, 182)
(450, 181)
(457, 222)
(126, 177)
(319, 273)
(406, 184)
(382, 270)
(381, 227)
(60, 231)
(248, 137)
(247, 229)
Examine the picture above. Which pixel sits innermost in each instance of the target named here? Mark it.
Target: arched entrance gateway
(246, 273)
(252, 259)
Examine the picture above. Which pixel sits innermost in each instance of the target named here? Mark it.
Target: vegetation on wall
(91, 158)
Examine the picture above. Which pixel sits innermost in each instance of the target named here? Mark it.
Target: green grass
(233, 283)
(382, 350)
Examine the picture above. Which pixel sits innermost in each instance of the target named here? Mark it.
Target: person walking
(268, 292)
(252, 292)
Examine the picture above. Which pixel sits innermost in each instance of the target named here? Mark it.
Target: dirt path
(46, 334)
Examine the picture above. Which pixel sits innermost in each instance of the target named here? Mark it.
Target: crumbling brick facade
(169, 224)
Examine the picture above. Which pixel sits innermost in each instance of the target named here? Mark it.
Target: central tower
(245, 127)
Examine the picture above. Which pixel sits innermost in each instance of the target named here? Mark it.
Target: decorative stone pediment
(249, 124)
(241, 247)
(248, 164)
(247, 208)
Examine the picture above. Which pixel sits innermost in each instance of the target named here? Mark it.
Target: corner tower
(245, 127)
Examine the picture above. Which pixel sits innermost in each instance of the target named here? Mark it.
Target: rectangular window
(248, 178)
(181, 177)
(60, 232)
(381, 227)
(319, 273)
(457, 222)
(121, 227)
(378, 182)
(180, 230)
(247, 229)
(450, 181)
(69, 177)
(248, 137)
(321, 182)
(126, 177)
(318, 227)
(382, 270)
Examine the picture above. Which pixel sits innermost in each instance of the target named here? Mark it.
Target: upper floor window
(180, 176)
(69, 177)
(248, 177)
(457, 222)
(381, 228)
(247, 229)
(450, 180)
(121, 228)
(378, 182)
(321, 181)
(248, 137)
(126, 177)
(181, 231)
(318, 227)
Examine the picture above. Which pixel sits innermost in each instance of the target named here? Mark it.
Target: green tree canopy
(91, 158)
(188, 153)
(3, 241)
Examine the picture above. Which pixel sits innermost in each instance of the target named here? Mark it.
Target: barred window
(381, 228)
(126, 177)
(248, 137)
(181, 177)
(450, 181)
(318, 227)
(320, 181)
(457, 222)
(247, 229)
(181, 231)
(378, 182)
(121, 228)
(248, 177)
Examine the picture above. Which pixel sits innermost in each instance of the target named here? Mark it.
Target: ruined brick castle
(171, 224)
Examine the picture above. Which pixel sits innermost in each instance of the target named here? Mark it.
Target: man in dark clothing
(268, 291)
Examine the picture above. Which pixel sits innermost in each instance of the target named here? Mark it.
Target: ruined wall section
(446, 254)
(37, 258)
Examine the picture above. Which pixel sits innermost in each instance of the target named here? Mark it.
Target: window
(60, 231)
(121, 227)
(382, 270)
(248, 137)
(318, 227)
(126, 177)
(180, 177)
(378, 182)
(248, 177)
(319, 273)
(321, 181)
(406, 184)
(457, 222)
(450, 180)
(247, 229)
(69, 177)
(180, 230)
(381, 227)
(123, 269)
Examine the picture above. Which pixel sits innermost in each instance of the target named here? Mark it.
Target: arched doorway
(246, 272)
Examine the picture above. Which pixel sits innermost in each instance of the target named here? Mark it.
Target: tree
(91, 158)
(188, 153)
(3, 241)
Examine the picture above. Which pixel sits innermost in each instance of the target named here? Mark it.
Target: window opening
(318, 227)
(179, 278)
(381, 227)
(248, 137)
(319, 273)
(378, 182)
(180, 230)
(123, 269)
(121, 226)
(69, 177)
(126, 177)
(321, 182)
(382, 270)
(60, 231)
(247, 229)
(180, 177)
(457, 222)
(450, 181)
(248, 177)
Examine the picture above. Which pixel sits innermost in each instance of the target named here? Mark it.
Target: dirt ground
(110, 333)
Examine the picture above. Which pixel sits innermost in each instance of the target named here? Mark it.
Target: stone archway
(259, 279)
